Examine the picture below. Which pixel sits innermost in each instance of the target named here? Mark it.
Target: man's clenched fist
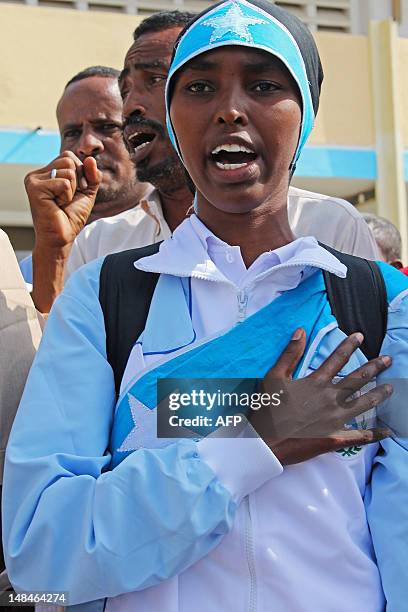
(61, 206)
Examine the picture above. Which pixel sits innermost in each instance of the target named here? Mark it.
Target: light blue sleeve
(387, 496)
(26, 267)
(72, 525)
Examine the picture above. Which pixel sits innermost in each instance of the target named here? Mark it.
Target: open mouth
(140, 140)
(232, 156)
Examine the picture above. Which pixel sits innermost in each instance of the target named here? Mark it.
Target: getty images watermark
(199, 407)
(214, 401)
(202, 406)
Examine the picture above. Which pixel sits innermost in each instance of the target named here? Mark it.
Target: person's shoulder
(130, 229)
(132, 216)
(118, 268)
(119, 224)
(396, 284)
(89, 274)
(4, 239)
(5, 245)
(123, 217)
(132, 254)
(303, 197)
(332, 221)
(85, 280)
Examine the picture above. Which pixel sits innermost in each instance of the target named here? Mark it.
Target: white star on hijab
(233, 21)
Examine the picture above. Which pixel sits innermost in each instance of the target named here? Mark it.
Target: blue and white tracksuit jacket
(207, 525)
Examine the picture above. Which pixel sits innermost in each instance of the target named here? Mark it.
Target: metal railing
(332, 15)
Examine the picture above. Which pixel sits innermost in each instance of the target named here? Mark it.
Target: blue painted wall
(37, 147)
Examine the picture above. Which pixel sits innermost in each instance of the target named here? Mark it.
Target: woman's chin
(242, 203)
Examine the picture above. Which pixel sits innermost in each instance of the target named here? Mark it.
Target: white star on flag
(144, 433)
(233, 21)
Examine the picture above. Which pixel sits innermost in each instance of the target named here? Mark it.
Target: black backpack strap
(359, 301)
(125, 294)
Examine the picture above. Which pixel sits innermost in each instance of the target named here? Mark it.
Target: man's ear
(396, 264)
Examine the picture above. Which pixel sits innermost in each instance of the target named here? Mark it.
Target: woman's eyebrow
(201, 64)
(260, 66)
(204, 65)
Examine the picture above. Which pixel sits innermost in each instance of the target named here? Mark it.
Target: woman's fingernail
(298, 334)
(359, 337)
(387, 361)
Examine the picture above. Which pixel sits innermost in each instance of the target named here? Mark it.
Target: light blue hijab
(258, 25)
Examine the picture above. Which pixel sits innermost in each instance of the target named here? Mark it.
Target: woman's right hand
(310, 419)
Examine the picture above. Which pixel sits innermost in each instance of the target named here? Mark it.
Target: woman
(218, 524)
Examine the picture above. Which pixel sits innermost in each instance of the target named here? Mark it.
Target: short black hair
(100, 71)
(163, 21)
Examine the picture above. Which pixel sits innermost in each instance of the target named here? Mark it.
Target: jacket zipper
(242, 298)
(250, 555)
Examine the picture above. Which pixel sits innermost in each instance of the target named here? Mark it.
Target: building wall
(323, 15)
(346, 113)
(41, 48)
(403, 86)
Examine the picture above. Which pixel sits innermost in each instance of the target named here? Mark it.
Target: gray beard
(167, 176)
(107, 194)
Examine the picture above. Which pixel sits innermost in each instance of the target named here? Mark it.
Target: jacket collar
(186, 253)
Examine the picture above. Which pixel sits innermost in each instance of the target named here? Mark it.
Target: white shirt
(332, 221)
(139, 226)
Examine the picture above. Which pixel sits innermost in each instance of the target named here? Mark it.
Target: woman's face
(236, 113)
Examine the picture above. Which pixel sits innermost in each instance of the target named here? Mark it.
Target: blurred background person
(20, 335)
(161, 209)
(89, 116)
(388, 240)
